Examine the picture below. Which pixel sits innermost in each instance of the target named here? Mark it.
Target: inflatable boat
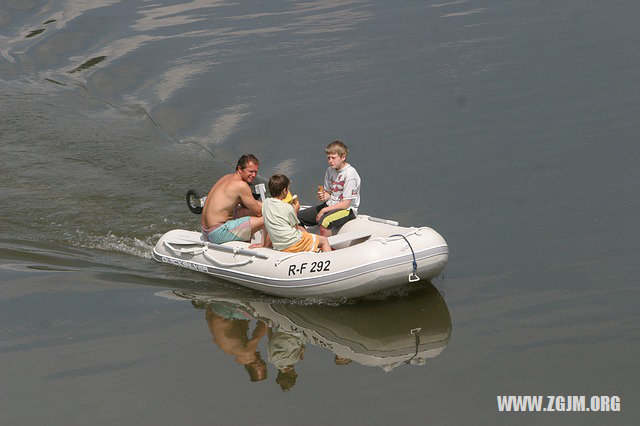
(369, 255)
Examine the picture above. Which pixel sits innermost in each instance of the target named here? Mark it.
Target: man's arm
(246, 197)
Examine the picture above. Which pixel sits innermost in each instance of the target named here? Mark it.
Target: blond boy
(340, 194)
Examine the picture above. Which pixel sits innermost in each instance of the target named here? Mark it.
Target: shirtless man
(230, 212)
(231, 335)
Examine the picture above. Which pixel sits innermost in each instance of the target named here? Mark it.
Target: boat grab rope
(282, 259)
(203, 245)
(415, 332)
(413, 277)
(203, 250)
(412, 231)
(206, 254)
(194, 251)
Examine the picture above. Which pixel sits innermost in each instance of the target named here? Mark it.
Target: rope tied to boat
(415, 332)
(413, 277)
(282, 259)
(208, 256)
(194, 250)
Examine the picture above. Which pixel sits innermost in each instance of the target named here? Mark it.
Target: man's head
(277, 185)
(337, 154)
(247, 167)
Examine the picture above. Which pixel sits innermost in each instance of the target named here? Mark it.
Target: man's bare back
(231, 191)
(222, 200)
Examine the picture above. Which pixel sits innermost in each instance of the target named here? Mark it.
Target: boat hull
(383, 261)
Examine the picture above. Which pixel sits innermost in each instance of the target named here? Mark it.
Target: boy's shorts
(308, 242)
(333, 219)
(233, 230)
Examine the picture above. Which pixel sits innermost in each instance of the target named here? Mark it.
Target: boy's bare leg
(257, 224)
(324, 243)
(324, 231)
(266, 239)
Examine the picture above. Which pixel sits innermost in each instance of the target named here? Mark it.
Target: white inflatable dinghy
(369, 255)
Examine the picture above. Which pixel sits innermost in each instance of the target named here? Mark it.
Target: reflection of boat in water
(384, 333)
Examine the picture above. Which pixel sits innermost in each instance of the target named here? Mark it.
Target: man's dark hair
(247, 158)
(277, 184)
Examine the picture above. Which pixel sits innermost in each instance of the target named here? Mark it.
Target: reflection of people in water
(341, 360)
(285, 349)
(230, 334)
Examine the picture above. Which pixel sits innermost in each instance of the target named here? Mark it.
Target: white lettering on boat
(185, 264)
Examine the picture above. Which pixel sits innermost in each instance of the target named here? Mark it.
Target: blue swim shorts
(233, 230)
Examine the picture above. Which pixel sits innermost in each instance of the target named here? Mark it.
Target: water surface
(509, 127)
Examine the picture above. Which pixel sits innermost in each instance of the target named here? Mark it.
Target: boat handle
(380, 220)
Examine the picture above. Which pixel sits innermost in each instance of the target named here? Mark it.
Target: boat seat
(345, 240)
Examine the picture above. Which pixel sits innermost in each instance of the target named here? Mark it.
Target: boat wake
(117, 243)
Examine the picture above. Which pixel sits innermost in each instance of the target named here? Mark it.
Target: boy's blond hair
(337, 147)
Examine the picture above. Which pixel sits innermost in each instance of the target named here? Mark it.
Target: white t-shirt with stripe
(343, 184)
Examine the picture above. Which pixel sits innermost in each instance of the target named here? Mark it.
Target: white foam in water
(111, 242)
